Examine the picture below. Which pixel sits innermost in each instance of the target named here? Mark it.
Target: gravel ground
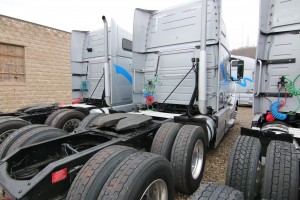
(216, 161)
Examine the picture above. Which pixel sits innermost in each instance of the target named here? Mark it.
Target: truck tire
(93, 175)
(53, 115)
(188, 158)
(84, 124)
(141, 175)
(214, 191)
(281, 174)
(15, 135)
(68, 120)
(243, 170)
(29, 135)
(164, 139)
(85, 111)
(9, 124)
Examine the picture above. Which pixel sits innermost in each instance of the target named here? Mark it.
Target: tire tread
(179, 158)
(281, 177)
(87, 175)
(125, 174)
(242, 161)
(214, 191)
(164, 139)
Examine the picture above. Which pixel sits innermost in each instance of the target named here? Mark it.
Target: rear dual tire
(65, 119)
(185, 147)
(93, 175)
(188, 158)
(140, 176)
(119, 172)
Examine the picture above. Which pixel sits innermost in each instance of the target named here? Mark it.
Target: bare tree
(245, 51)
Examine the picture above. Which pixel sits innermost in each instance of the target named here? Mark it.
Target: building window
(12, 64)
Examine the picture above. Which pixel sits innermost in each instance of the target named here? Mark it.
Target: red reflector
(7, 197)
(59, 175)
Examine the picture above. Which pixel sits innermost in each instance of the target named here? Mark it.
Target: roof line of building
(33, 23)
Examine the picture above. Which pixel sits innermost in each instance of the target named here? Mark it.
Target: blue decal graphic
(242, 82)
(224, 74)
(124, 72)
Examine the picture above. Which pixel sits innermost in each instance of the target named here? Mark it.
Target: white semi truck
(101, 80)
(264, 162)
(182, 106)
(244, 87)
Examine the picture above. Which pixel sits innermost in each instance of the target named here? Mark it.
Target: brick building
(34, 64)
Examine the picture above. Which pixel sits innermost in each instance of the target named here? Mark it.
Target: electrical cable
(194, 95)
(290, 86)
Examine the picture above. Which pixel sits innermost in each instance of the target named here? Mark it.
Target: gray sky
(240, 16)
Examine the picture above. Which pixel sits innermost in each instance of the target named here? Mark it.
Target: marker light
(59, 175)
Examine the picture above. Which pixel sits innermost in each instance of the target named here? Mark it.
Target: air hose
(274, 110)
(84, 86)
(83, 90)
(149, 89)
(290, 86)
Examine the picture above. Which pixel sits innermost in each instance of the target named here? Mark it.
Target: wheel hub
(157, 190)
(71, 125)
(197, 159)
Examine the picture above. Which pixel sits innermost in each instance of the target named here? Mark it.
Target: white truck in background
(90, 57)
(244, 87)
(101, 81)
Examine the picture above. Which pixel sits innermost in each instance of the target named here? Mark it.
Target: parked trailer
(90, 58)
(176, 117)
(264, 162)
(244, 87)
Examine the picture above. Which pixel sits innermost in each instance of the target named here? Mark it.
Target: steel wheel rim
(157, 190)
(197, 159)
(5, 134)
(70, 125)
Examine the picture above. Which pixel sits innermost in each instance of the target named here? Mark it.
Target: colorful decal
(243, 82)
(124, 72)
